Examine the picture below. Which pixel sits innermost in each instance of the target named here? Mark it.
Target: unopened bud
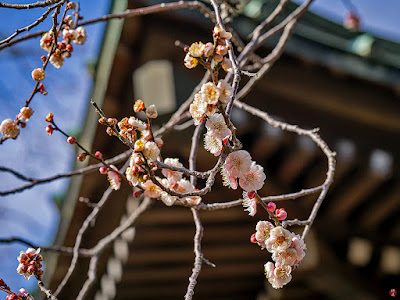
(81, 157)
(43, 58)
(251, 194)
(109, 131)
(103, 120)
(281, 214)
(71, 140)
(253, 238)
(70, 5)
(49, 117)
(137, 194)
(112, 121)
(49, 129)
(103, 170)
(151, 112)
(271, 206)
(159, 142)
(42, 89)
(98, 155)
(138, 106)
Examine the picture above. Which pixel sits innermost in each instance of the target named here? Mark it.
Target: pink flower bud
(49, 129)
(98, 155)
(253, 238)
(71, 140)
(39, 258)
(351, 21)
(38, 74)
(103, 170)
(112, 121)
(159, 142)
(42, 89)
(281, 214)
(137, 194)
(23, 125)
(271, 206)
(102, 120)
(145, 177)
(251, 194)
(109, 131)
(81, 157)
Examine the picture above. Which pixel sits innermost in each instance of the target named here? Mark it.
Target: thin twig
(29, 6)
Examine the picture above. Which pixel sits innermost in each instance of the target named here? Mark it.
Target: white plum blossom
(132, 176)
(173, 176)
(212, 144)
(216, 126)
(151, 112)
(196, 49)
(56, 60)
(9, 129)
(210, 93)
(299, 245)
(69, 34)
(46, 40)
(263, 229)
(221, 33)
(184, 186)
(168, 199)
(279, 239)
(137, 124)
(285, 257)
(190, 62)
(197, 109)
(151, 151)
(151, 190)
(278, 275)
(254, 179)
(81, 36)
(226, 91)
(237, 163)
(114, 178)
(249, 205)
(228, 180)
(208, 49)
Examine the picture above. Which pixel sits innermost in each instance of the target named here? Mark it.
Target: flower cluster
(206, 100)
(287, 250)
(212, 54)
(238, 166)
(64, 48)
(29, 263)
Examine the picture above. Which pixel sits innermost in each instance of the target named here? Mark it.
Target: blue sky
(33, 214)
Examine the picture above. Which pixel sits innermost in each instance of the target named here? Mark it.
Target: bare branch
(31, 5)
(119, 158)
(37, 22)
